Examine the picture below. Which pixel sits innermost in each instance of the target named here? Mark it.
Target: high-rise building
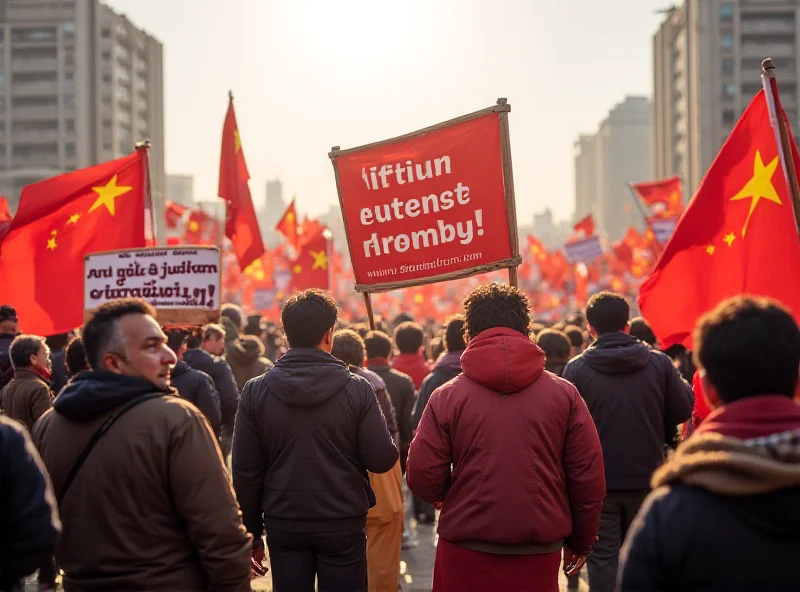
(707, 64)
(180, 189)
(269, 216)
(79, 85)
(605, 162)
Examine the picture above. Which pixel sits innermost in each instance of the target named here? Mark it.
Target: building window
(728, 66)
(2, 103)
(106, 56)
(726, 40)
(105, 33)
(106, 123)
(69, 124)
(726, 11)
(69, 29)
(728, 116)
(69, 57)
(106, 78)
(69, 149)
(69, 76)
(69, 100)
(728, 91)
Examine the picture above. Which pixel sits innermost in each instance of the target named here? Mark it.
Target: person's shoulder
(555, 384)
(10, 431)
(401, 376)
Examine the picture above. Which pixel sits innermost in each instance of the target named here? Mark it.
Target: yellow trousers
(385, 531)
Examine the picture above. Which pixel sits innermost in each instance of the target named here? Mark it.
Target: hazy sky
(310, 74)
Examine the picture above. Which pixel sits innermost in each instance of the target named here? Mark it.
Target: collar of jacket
(733, 467)
(378, 363)
(30, 373)
(753, 417)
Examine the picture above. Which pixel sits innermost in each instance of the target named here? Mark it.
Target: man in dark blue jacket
(637, 399)
(724, 515)
(306, 434)
(29, 524)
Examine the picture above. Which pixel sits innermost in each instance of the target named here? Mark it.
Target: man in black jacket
(306, 434)
(194, 385)
(724, 514)
(199, 358)
(29, 523)
(9, 329)
(637, 399)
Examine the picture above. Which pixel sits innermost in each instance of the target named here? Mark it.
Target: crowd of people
(140, 457)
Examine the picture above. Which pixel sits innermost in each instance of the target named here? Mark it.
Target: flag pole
(370, 315)
(782, 129)
(638, 203)
(150, 235)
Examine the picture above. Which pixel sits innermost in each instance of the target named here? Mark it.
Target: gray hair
(22, 348)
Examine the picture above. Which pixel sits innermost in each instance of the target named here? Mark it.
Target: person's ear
(111, 363)
(709, 392)
(592, 332)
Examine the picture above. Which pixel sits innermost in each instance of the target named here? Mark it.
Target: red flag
(737, 236)
(5, 217)
(287, 225)
(310, 269)
(241, 225)
(173, 213)
(664, 191)
(199, 228)
(58, 222)
(586, 225)
(623, 252)
(309, 228)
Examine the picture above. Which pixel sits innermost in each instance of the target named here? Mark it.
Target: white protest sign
(663, 228)
(585, 250)
(182, 283)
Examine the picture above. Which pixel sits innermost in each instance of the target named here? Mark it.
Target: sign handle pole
(150, 234)
(508, 182)
(370, 315)
(768, 77)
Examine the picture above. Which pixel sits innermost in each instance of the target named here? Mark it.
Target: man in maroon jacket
(512, 455)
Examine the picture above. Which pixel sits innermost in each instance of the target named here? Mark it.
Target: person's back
(409, 338)
(151, 507)
(723, 514)
(637, 399)
(527, 471)
(306, 434)
(246, 358)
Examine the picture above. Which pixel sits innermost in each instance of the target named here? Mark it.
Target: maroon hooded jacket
(527, 466)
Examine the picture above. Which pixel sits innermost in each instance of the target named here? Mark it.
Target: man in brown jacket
(151, 508)
(28, 394)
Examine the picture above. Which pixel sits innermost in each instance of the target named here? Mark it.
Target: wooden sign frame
(184, 317)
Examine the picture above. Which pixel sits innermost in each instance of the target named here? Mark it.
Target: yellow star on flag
(194, 226)
(107, 194)
(710, 249)
(51, 243)
(290, 217)
(237, 141)
(760, 185)
(729, 238)
(297, 269)
(74, 219)
(320, 260)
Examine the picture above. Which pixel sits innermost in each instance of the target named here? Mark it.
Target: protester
(400, 386)
(58, 376)
(231, 320)
(8, 331)
(409, 338)
(557, 349)
(28, 513)
(640, 329)
(522, 443)
(724, 513)
(27, 396)
(75, 357)
(576, 339)
(306, 434)
(637, 399)
(203, 354)
(385, 518)
(151, 507)
(253, 326)
(193, 385)
(246, 359)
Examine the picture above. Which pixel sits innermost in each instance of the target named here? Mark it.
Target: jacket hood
(450, 361)
(753, 417)
(617, 353)
(503, 360)
(306, 377)
(197, 357)
(231, 330)
(95, 393)
(245, 351)
(180, 369)
(759, 478)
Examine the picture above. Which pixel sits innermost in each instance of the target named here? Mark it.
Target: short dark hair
(232, 312)
(641, 330)
(748, 346)
(8, 313)
(576, 318)
(454, 334)
(496, 305)
(555, 344)
(307, 316)
(102, 330)
(58, 341)
(403, 317)
(378, 345)
(537, 328)
(253, 326)
(608, 312)
(22, 348)
(348, 347)
(409, 337)
(213, 330)
(575, 335)
(176, 338)
(75, 357)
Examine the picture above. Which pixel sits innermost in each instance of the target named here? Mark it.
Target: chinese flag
(173, 213)
(241, 225)
(310, 269)
(665, 191)
(199, 228)
(738, 235)
(58, 222)
(586, 225)
(287, 225)
(309, 228)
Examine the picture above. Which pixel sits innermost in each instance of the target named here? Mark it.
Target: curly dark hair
(454, 334)
(307, 316)
(409, 337)
(608, 312)
(75, 357)
(496, 305)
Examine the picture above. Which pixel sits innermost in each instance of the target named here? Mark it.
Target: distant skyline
(310, 74)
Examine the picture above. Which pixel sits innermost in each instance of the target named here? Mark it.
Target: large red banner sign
(426, 206)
